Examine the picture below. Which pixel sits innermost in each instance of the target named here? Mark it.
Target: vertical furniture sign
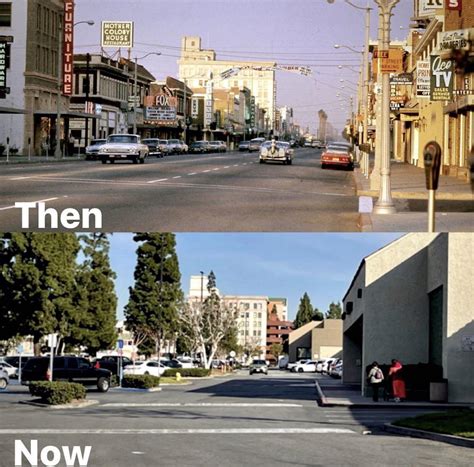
(68, 46)
(3, 66)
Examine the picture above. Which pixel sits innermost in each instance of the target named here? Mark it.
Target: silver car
(276, 151)
(4, 379)
(92, 151)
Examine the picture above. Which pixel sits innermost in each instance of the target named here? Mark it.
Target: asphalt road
(232, 421)
(215, 192)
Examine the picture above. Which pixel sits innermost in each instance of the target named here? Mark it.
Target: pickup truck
(123, 147)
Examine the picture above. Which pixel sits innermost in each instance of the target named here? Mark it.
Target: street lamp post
(135, 78)
(365, 79)
(385, 205)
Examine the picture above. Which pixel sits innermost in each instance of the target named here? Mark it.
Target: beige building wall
(301, 337)
(326, 339)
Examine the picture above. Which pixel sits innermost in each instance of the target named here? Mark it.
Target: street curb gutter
(320, 397)
(450, 439)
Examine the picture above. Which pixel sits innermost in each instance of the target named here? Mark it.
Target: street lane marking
(197, 404)
(205, 171)
(21, 178)
(40, 201)
(236, 165)
(177, 176)
(192, 173)
(160, 180)
(172, 431)
(227, 167)
(217, 168)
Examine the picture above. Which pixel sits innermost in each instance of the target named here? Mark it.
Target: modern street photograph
(236, 349)
(237, 115)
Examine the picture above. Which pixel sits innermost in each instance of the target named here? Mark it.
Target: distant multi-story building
(278, 327)
(202, 72)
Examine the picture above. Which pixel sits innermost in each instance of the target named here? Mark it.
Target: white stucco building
(413, 301)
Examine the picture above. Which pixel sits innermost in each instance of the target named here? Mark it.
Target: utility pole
(385, 205)
(88, 84)
(135, 98)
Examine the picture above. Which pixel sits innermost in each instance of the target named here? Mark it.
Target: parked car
(163, 145)
(326, 365)
(336, 155)
(258, 366)
(123, 147)
(175, 146)
(336, 370)
(244, 145)
(14, 360)
(153, 146)
(199, 147)
(4, 378)
(185, 146)
(283, 362)
(307, 367)
(146, 367)
(11, 370)
(217, 364)
(186, 362)
(255, 144)
(217, 146)
(74, 369)
(319, 365)
(111, 363)
(290, 366)
(171, 363)
(276, 151)
(92, 151)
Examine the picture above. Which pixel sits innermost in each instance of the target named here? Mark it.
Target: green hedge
(57, 392)
(140, 381)
(184, 372)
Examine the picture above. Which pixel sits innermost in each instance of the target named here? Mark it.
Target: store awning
(67, 113)
(11, 110)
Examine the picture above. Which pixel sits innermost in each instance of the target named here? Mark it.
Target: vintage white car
(276, 151)
(123, 147)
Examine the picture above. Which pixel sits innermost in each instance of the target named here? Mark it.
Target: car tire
(142, 161)
(135, 160)
(3, 384)
(104, 161)
(300, 370)
(289, 162)
(112, 161)
(262, 161)
(103, 384)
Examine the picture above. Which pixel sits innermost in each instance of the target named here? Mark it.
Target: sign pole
(431, 211)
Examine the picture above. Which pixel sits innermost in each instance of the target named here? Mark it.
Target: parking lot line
(197, 404)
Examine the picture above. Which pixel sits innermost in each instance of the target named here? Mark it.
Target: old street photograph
(236, 349)
(237, 115)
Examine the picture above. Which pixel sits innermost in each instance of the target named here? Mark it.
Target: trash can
(439, 391)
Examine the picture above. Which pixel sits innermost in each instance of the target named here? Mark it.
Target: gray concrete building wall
(458, 345)
(326, 339)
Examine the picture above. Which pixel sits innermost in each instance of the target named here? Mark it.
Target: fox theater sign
(161, 109)
(68, 46)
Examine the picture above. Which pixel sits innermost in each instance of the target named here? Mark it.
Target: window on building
(247, 307)
(255, 333)
(255, 306)
(259, 315)
(349, 307)
(303, 353)
(5, 14)
(359, 293)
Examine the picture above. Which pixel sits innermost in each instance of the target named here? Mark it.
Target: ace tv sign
(441, 79)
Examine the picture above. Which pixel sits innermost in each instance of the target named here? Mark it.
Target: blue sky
(273, 264)
(286, 31)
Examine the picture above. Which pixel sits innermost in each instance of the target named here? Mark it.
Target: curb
(320, 397)
(187, 383)
(450, 439)
(72, 405)
(440, 196)
(137, 389)
(43, 161)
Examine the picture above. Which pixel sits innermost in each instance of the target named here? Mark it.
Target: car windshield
(259, 362)
(174, 141)
(95, 142)
(278, 144)
(150, 141)
(337, 149)
(126, 139)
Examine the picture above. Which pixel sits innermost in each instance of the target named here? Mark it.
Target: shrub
(57, 392)
(140, 381)
(188, 372)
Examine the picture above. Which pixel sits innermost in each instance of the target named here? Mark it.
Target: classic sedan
(337, 155)
(200, 147)
(123, 147)
(276, 151)
(92, 151)
(244, 145)
(147, 367)
(153, 146)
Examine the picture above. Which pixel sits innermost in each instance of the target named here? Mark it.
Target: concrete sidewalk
(12, 160)
(454, 207)
(336, 394)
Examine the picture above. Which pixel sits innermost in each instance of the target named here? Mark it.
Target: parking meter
(432, 158)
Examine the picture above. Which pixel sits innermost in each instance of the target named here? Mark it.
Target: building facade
(402, 304)
(202, 71)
